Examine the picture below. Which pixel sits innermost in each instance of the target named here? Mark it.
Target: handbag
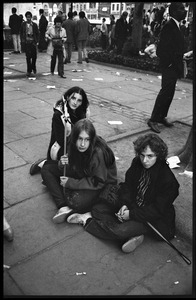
(54, 151)
(57, 43)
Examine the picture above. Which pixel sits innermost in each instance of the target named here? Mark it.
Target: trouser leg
(53, 62)
(79, 51)
(105, 225)
(60, 63)
(28, 58)
(165, 95)
(51, 176)
(34, 57)
(14, 38)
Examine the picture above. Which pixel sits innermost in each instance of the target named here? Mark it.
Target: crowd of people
(79, 169)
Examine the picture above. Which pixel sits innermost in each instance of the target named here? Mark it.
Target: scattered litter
(119, 87)
(11, 65)
(6, 267)
(86, 70)
(117, 73)
(115, 122)
(45, 74)
(99, 79)
(179, 98)
(173, 161)
(74, 70)
(101, 105)
(32, 78)
(159, 76)
(134, 79)
(79, 70)
(77, 79)
(184, 91)
(169, 260)
(10, 80)
(176, 282)
(51, 87)
(6, 58)
(187, 173)
(80, 273)
(18, 89)
(117, 158)
(151, 80)
(7, 73)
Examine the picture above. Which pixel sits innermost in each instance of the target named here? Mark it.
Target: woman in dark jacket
(147, 195)
(73, 106)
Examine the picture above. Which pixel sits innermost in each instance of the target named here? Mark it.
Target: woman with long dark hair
(72, 107)
(90, 167)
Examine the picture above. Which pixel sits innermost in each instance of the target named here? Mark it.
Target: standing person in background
(15, 24)
(75, 19)
(170, 50)
(121, 31)
(29, 38)
(43, 23)
(56, 35)
(82, 32)
(112, 33)
(104, 34)
(69, 26)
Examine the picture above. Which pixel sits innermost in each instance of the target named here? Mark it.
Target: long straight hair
(81, 161)
(80, 112)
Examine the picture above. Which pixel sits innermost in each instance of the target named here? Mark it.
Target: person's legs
(14, 38)
(34, 57)
(51, 176)
(28, 59)
(165, 95)
(60, 63)
(80, 51)
(18, 43)
(53, 61)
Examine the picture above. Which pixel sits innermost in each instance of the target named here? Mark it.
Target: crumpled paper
(173, 162)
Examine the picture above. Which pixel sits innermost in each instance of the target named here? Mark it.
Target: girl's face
(148, 158)
(83, 141)
(75, 100)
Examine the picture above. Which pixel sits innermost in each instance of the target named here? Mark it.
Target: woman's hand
(63, 180)
(64, 160)
(123, 214)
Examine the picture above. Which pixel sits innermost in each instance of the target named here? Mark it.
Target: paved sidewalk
(44, 257)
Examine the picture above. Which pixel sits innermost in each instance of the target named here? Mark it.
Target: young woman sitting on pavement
(73, 106)
(147, 195)
(90, 167)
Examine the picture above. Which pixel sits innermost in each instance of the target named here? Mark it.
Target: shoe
(52, 73)
(79, 62)
(28, 74)
(166, 123)
(34, 71)
(153, 126)
(34, 169)
(62, 76)
(86, 59)
(65, 61)
(133, 243)
(61, 215)
(8, 234)
(79, 218)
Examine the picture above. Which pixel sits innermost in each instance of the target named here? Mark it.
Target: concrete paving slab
(32, 148)
(15, 117)
(9, 135)
(33, 127)
(11, 159)
(28, 102)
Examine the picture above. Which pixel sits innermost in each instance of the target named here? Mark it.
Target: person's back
(69, 26)
(82, 28)
(14, 22)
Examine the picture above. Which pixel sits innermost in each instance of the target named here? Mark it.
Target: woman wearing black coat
(147, 195)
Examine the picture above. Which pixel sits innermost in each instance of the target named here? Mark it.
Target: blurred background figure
(43, 23)
(15, 24)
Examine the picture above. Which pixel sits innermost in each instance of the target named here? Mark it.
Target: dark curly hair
(156, 144)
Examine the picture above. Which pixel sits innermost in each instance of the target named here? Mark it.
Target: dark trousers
(80, 201)
(59, 54)
(31, 57)
(104, 41)
(119, 45)
(165, 95)
(105, 224)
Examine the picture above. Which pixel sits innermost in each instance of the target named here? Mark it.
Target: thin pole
(65, 143)
(170, 244)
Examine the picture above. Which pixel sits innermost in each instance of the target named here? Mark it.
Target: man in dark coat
(29, 39)
(170, 50)
(121, 31)
(147, 195)
(15, 24)
(43, 23)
